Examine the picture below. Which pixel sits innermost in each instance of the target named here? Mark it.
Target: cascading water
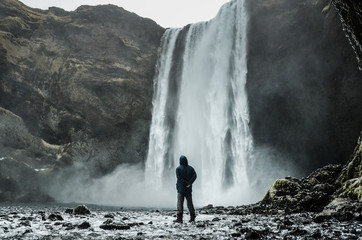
(200, 108)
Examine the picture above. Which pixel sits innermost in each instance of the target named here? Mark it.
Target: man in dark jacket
(186, 176)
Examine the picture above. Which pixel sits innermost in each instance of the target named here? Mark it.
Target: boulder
(55, 217)
(115, 226)
(84, 225)
(312, 193)
(81, 210)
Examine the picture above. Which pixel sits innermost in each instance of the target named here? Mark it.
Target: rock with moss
(352, 189)
(311, 193)
(353, 168)
(341, 209)
(351, 177)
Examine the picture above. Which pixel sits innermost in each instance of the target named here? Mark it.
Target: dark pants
(180, 205)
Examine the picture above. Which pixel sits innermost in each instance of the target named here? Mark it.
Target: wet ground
(61, 222)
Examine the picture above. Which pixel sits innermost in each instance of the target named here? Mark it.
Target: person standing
(186, 176)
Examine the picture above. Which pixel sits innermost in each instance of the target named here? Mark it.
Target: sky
(167, 13)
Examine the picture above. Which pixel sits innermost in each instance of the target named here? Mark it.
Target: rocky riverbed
(65, 222)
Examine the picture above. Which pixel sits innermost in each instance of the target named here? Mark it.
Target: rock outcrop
(75, 87)
(325, 189)
(304, 85)
(351, 16)
(312, 193)
(351, 177)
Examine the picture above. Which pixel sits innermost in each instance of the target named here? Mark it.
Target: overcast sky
(167, 13)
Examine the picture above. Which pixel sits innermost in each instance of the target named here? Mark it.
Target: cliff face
(304, 85)
(351, 17)
(75, 87)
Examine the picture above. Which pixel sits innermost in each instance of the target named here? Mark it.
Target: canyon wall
(304, 85)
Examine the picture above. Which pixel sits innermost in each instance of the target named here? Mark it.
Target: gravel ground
(64, 222)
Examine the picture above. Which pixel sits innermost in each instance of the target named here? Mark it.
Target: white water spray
(200, 108)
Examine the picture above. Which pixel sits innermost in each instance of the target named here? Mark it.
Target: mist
(125, 186)
(244, 108)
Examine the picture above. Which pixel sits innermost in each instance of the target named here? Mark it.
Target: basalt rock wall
(304, 86)
(351, 17)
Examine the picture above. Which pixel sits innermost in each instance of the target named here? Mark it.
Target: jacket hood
(183, 160)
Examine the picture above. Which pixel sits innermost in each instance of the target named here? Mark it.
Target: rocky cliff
(351, 17)
(75, 89)
(304, 85)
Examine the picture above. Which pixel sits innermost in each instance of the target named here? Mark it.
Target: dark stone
(55, 217)
(282, 227)
(69, 210)
(238, 224)
(343, 216)
(358, 217)
(109, 215)
(287, 222)
(216, 219)
(133, 224)
(81, 210)
(321, 218)
(210, 206)
(25, 223)
(200, 225)
(84, 225)
(316, 234)
(27, 231)
(114, 227)
(237, 234)
(251, 234)
(68, 226)
(298, 232)
(337, 233)
(108, 221)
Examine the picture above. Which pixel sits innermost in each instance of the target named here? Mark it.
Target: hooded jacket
(186, 175)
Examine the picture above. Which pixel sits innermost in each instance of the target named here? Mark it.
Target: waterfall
(200, 108)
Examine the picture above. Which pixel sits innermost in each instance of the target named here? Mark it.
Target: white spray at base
(200, 108)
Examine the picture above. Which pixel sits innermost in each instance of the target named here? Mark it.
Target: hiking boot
(178, 219)
(192, 218)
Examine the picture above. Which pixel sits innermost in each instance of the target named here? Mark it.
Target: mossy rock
(351, 177)
(352, 189)
(282, 187)
(354, 166)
